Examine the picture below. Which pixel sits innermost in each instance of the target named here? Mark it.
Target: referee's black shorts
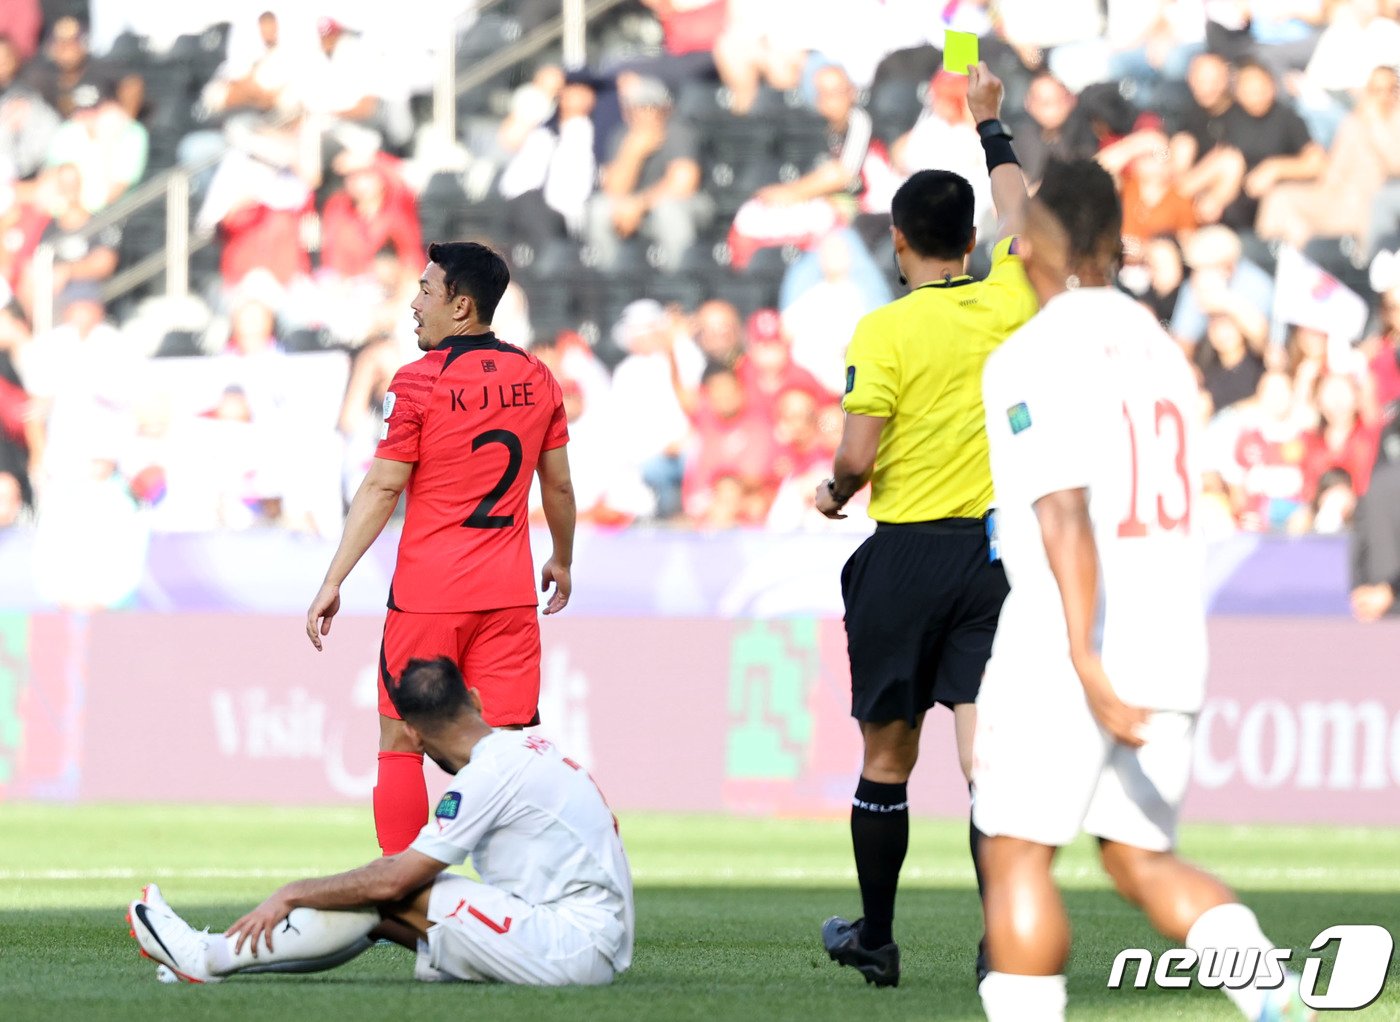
(922, 602)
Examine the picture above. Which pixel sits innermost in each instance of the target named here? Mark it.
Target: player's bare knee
(891, 752)
(889, 764)
(393, 737)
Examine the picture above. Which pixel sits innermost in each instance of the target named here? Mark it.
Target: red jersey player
(465, 426)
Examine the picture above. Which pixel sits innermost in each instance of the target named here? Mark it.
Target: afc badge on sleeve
(448, 805)
(389, 400)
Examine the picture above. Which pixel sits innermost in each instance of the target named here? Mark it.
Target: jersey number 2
(481, 516)
(1132, 526)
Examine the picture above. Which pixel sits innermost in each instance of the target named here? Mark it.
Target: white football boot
(167, 939)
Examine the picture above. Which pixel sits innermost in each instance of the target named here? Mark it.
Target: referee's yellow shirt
(917, 362)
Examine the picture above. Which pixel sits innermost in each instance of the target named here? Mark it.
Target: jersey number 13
(1159, 472)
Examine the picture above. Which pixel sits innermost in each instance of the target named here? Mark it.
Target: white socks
(1232, 926)
(308, 940)
(1009, 998)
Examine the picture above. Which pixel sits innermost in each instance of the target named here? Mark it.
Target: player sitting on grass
(554, 905)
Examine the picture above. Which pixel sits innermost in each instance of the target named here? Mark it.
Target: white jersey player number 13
(1067, 410)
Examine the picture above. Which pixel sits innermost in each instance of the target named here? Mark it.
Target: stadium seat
(179, 344)
(802, 140)
(739, 141)
(439, 204)
(142, 233)
(681, 289)
(699, 103)
(731, 186)
(297, 341)
(172, 89)
(489, 34)
(128, 50)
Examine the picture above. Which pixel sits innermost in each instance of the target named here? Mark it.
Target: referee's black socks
(880, 837)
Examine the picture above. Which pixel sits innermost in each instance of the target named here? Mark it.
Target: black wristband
(831, 491)
(998, 151)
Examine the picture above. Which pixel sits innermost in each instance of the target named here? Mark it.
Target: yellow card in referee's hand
(959, 51)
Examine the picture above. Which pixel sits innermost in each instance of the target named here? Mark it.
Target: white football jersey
(1092, 393)
(536, 826)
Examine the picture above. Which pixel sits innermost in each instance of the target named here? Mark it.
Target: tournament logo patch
(1019, 417)
(448, 806)
(389, 400)
(850, 379)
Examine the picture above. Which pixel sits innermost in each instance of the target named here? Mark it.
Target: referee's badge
(850, 379)
(1019, 416)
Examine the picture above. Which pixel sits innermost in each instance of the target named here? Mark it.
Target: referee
(923, 593)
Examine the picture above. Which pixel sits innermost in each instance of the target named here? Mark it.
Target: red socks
(400, 800)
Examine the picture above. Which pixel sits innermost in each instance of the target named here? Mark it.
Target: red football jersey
(473, 416)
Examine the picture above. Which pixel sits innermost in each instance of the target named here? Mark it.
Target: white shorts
(481, 934)
(1043, 770)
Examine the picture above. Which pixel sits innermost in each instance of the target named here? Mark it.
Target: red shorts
(498, 652)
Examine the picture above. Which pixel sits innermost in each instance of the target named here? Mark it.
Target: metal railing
(173, 185)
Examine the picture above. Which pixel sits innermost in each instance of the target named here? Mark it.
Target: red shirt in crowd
(740, 447)
(1385, 370)
(1357, 457)
(259, 237)
(761, 390)
(350, 240)
(20, 232)
(473, 416)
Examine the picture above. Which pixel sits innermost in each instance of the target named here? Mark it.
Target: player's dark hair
(1332, 477)
(713, 369)
(429, 692)
(1081, 195)
(472, 269)
(934, 211)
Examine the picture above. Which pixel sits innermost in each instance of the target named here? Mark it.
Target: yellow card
(959, 51)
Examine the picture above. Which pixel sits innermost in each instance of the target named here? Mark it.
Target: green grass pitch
(727, 913)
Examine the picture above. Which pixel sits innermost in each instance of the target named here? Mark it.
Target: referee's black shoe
(842, 941)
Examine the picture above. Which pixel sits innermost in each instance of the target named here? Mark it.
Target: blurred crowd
(696, 221)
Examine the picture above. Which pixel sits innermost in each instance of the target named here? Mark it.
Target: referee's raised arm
(923, 594)
(984, 95)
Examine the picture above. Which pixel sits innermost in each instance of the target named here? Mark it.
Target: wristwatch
(831, 491)
(992, 128)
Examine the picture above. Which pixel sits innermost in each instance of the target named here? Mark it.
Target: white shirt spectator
(1350, 48)
(1037, 23)
(642, 394)
(934, 144)
(331, 84)
(561, 164)
(820, 322)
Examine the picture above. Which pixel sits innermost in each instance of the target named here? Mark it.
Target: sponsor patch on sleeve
(389, 400)
(448, 805)
(1019, 417)
(850, 379)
